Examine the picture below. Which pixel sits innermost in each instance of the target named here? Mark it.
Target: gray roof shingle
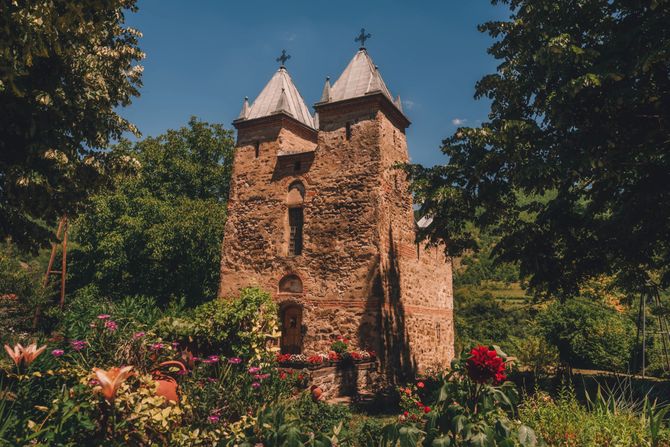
(280, 95)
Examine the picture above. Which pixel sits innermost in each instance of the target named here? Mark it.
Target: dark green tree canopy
(572, 168)
(65, 68)
(158, 232)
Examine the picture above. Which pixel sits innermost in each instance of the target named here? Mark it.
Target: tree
(571, 170)
(158, 232)
(65, 68)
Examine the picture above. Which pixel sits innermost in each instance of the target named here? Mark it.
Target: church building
(321, 217)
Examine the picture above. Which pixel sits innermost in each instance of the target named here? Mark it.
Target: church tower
(320, 217)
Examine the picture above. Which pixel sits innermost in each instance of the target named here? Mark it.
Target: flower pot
(166, 386)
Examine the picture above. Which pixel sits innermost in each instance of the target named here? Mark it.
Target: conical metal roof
(280, 95)
(361, 77)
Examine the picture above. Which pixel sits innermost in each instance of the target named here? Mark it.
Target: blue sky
(203, 57)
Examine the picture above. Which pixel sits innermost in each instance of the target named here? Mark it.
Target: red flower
(283, 358)
(419, 404)
(420, 385)
(406, 413)
(315, 359)
(485, 365)
(426, 409)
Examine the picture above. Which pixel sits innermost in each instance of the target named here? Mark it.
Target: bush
(589, 334)
(321, 417)
(21, 291)
(472, 408)
(233, 327)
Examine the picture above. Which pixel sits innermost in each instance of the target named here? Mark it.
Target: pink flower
(78, 345)
(156, 346)
(57, 352)
(213, 419)
(254, 370)
(138, 335)
(175, 345)
(255, 385)
(104, 316)
(235, 360)
(111, 325)
(213, 358)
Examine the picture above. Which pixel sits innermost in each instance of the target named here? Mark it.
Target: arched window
(295, 199)
(290, 284)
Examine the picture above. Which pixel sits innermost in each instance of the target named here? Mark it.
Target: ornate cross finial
(283, 58)
(362, 37)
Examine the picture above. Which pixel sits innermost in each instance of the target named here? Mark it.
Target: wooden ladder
(61, 237)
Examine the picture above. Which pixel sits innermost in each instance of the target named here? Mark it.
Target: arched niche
(296, 194)
(290, 284)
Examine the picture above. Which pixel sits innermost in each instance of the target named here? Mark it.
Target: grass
(564, 422)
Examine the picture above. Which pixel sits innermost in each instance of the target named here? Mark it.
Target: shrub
(21, 291)
(471, 408)
(588, 334)
(238, 327)
(321, 417)
(368, 432)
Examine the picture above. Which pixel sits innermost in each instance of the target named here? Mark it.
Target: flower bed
(332, 358)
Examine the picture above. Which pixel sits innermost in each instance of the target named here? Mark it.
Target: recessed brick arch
(291, 284)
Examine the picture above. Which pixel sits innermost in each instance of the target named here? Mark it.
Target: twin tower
(320, 216)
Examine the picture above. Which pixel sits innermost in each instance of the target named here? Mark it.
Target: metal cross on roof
(362, 37)
(283, 58)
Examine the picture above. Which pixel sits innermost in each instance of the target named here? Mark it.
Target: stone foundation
(345, 379)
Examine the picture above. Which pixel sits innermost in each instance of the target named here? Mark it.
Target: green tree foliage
(571, 169)
(65, 68)
(589, 334)
(158, 233)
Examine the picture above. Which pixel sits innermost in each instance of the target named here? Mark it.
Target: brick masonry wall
(363, 275)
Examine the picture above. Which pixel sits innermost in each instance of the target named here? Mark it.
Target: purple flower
(175, 345)
(78, 345)
(235, 360)
(156, 346)
(181, 372)
(254, 370)
(57, 352)
(255, 385)
(138, 335)
(104, 316)
(213, 419)
(111, 325)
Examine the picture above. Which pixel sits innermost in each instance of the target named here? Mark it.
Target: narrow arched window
(347, 129)
(295, 198)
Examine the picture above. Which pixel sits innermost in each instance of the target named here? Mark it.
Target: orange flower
(111, 380)
(32, 352)
(16, 354)
(27, 355)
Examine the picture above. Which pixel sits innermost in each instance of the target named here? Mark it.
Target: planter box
(343, 379)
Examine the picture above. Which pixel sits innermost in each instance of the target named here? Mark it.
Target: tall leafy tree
(158, 232)
(65, 68)
(572, 168)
